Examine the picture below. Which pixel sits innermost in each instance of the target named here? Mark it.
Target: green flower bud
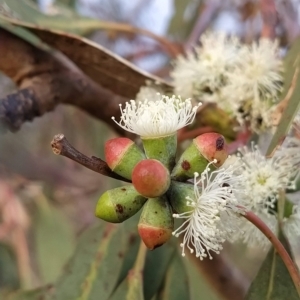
(156, 222)
(151, 178)
(161, 148)
(204, 149)
(177, 194)
(121, 155)
(119, 204)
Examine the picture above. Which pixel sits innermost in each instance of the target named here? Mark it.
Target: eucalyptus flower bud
(156, 222)
(178, 194)
(151, 178)
(204, 149)
(119, 204)
(122, 155)
(161, 148)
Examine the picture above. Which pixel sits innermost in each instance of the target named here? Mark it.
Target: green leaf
(64, 19)
(291, 84)
(157, 262)
(95, 61)
(53, 236)
(96, 265)
(273, 281)
(156, 266)
(9, 277)
(43, 293)
(176, 286)
(121, 291)
(23, 34)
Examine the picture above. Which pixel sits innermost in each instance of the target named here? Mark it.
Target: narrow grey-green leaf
(98, 260)
(23, 34)
(121, 291)
(64, 19)
(273, 281)
(43, 293)
(176, 286)
(53, 235)
(157, 262)
(9, 277)
(291, 86)
(95, 61)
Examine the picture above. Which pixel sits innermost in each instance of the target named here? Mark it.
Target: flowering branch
(250, 216)
(61, 146)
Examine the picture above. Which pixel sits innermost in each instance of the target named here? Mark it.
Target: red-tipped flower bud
(212, 146)
(156, 222)
(119, 204)
(151, 178)
(204, 149)
(121, 155)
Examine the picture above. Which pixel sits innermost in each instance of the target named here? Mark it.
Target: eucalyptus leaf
(94, 60)
(157, 263)
(291, 85)
(273, 281)
(43, 293)
(53, 236)
(95, 266)
(62, 18)
(9, 277)
(176, 286)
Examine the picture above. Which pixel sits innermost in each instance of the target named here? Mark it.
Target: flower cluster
(161, 117)
(263, 181)
(244, 80)
(203, 228)
(159, 184)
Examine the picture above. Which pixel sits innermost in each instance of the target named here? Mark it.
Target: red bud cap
(115, 149)
(151, 178)
(212, 146)
(121, 155)
(156, 222)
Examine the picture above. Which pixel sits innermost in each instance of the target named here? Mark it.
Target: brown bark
(45, 80)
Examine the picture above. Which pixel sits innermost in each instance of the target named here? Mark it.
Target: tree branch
(269, 17)
(61, 146)
(46, 80)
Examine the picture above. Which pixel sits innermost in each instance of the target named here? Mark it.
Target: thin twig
(269, 17)
(61, 146)
(250, 216)
(204, 19)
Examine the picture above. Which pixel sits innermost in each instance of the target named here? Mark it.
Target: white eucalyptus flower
(256, 81)
(244, 80)
(263, 179)
(203, 230)
(157, 118)
(205, 71)
(250, 235)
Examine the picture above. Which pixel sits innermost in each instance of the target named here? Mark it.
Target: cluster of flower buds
(158, 186)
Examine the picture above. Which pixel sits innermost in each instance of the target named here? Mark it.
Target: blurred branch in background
(46, 81)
